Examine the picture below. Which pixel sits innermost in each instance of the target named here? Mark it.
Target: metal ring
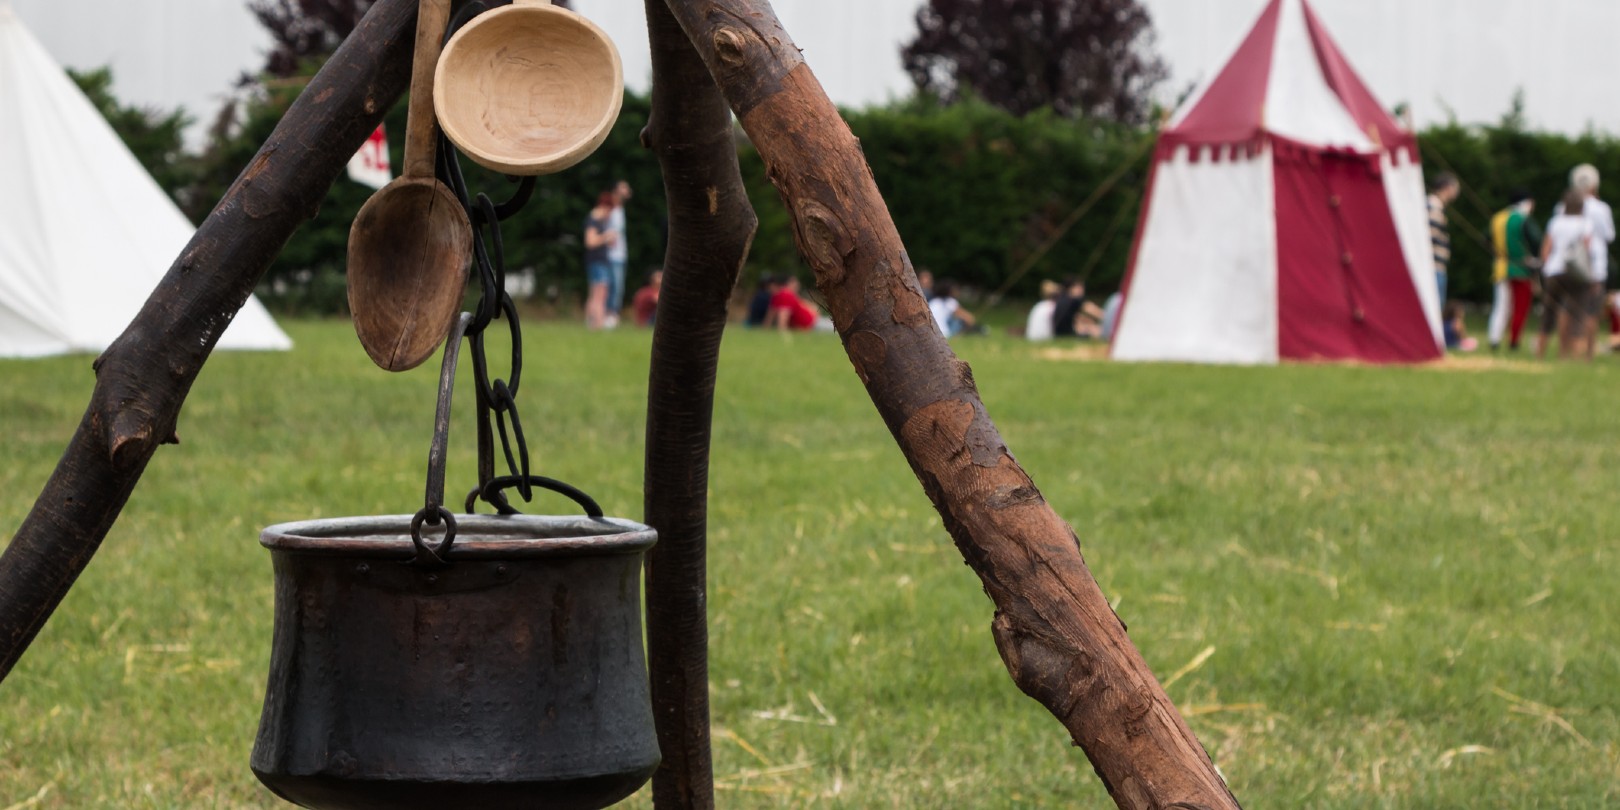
(492, 490)
(425, 554)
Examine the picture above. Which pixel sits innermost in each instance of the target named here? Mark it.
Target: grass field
(1365, 587)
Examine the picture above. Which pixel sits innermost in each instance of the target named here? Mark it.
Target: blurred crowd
(1562, 265)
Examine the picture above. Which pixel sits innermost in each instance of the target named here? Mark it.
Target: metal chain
(496, 397)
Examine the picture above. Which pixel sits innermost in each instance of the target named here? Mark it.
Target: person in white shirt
(1568, 289)
(618, 255)
(1039, 324)
(1585, 178)
(949, 315)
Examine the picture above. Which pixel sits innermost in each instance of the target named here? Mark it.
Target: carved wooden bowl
(529, 88)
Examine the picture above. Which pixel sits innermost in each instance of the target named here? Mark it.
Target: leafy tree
(306, 29)
(1082, 58)
(155, 136)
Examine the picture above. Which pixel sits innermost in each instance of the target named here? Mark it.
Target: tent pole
(144, 377)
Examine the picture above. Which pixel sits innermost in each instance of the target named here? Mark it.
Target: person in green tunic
(1516, 241)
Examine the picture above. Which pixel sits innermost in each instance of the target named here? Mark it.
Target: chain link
(496, 397)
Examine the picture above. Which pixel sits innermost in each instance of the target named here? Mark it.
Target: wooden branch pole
(711, 225)
(144, 377)
(1057, 635)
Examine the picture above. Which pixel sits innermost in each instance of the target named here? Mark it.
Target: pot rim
(477, 537)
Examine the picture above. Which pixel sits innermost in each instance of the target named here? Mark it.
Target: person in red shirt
(789, 311)
(645, 304)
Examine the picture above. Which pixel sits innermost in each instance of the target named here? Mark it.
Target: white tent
(85, 233)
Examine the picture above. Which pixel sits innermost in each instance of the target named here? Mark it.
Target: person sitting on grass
(790, 312)
(760, 305)
(645, 304)
(1074, 316)
(1039, 324)
(1456, 330)
(949, 314)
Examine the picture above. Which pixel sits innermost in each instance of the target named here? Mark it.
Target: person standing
(618, 255)
(1566, 259)
(1584, 179)
(1516, 243)
(599, 240)
(1443, 193)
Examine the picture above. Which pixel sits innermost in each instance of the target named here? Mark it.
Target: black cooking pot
(509, 674)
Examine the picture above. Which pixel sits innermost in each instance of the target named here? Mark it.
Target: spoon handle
(421, 127)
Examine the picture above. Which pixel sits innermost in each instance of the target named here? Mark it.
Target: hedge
(975, 191)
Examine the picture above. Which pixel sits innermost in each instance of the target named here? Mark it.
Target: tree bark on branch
(711, 226)
(1057, 635)
(144, 377)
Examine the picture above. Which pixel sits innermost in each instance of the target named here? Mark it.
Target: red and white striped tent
(1285, 217)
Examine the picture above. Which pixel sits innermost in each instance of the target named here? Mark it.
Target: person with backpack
(1567, 262)
(1584, 178)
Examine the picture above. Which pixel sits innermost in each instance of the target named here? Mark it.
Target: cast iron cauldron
(511, 677)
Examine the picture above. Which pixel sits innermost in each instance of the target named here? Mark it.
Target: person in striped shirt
(1441, 194)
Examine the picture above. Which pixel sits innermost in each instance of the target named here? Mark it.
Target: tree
(1080, 57)
(305, 29)
(154, 136)
(309, 29)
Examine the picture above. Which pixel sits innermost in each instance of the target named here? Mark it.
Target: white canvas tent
(85, 233)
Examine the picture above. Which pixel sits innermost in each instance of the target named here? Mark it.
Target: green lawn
(1366, 587)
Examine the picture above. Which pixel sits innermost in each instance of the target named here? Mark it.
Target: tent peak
(1287, 78)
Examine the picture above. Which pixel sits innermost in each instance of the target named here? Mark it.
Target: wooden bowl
(528, 88)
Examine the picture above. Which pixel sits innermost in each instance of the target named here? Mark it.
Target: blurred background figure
(1456, 329)
(925, 280)
(1073, 316)
(645, 304)
(1039, 324)
(1516, 241)
(789, 312)
(599, 239)
(1566, 270)
(949, 314)
(760, 305)
(1584, 179)
(618, 254)
(1443, 193)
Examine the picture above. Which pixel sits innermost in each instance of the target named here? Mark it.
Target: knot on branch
(731, 46)
(1044, 668)
(823, 239)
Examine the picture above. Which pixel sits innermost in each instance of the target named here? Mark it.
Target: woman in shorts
(1568, 295)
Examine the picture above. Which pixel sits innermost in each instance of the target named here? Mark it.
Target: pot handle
(433, 512)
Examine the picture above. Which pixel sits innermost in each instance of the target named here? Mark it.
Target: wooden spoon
(529, 88)
(411, 244)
